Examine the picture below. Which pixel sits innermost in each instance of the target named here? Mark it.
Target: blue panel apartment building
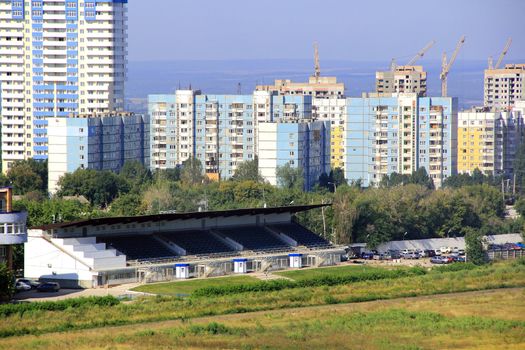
(100, 143)
(400, 133)
(222, 130)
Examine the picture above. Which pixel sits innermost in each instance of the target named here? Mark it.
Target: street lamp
(404, 234)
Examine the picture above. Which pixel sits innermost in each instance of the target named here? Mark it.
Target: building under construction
(503, 87)
(402, 79)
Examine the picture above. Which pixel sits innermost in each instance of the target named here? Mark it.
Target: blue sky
(345, 29)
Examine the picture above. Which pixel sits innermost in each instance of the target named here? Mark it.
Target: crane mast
(445, 66)
(503, 53)
(317, 68)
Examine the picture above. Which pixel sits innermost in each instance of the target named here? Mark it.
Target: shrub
(7, 288)
(327, 280)
(10, 309)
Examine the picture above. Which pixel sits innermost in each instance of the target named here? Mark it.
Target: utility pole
(324, 220)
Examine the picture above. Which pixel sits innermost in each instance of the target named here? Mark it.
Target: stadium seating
(300, 234)
(137, 247)
(254, 238)
(197, 242)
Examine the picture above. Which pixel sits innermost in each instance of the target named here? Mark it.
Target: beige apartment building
(503, 87)
(404, 79)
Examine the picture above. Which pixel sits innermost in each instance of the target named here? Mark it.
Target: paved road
(33, 295)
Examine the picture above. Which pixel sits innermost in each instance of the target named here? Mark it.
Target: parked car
(445, 250)
(32, 284)
(449, 259)
(459, 258)
(430, 253)
(437, 252)
(410, 255)
(367, 255)
(461, 251)
(21, 286)
(438, 260)
(344, 257)
(421, 253)
(48, 287)
(395, 254)
(455, 250)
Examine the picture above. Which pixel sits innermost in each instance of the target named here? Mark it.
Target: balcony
(13, 228)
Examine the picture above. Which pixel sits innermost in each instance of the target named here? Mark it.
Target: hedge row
(328, 280)
(10, 309)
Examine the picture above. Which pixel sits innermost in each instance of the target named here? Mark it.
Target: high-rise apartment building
(503, 87)
(328, 104)
(58, 58)
(304, 145)
(400, 133)
(104, 142)
(218, 130)
(404, 79)
(488, 140)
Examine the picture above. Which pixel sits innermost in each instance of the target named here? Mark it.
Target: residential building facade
(303, 145)
(488, 140)
(504, 87)
(58, 58)
(219, 130)
(100, 143)
(400, 133)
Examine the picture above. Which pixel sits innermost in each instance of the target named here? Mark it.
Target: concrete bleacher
(254, 238)
(138, 247)
(197, 242)
(300, 234)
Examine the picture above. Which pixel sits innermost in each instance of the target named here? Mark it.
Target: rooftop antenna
(317, 68)
(239, 90)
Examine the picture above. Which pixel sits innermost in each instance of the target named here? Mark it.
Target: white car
(21, 286)
(445, 250)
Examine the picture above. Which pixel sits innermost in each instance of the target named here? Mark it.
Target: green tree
(52, 210)
(136, 174)
(28, 176)
(474, 246)
(192, 172)
(7, 281)
(420, 177)
(99, 187)
(128, 204)
(248, 171)
(290, 177)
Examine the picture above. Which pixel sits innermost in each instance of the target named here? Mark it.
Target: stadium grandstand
(152, 248)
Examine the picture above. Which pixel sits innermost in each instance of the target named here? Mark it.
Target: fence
(506, 254)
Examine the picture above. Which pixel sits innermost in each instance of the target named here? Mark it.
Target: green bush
(10, 309)
(319, 281)
(7, 288)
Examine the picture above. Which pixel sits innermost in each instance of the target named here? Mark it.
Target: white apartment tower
(58, 58)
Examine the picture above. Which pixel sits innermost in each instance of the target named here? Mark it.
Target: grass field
(454, 321)
(186, 287)
(324, 271)
(168, 308)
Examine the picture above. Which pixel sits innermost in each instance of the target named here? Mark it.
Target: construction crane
(421, 53)
(445, 67)
(501, 56)
(317, 68)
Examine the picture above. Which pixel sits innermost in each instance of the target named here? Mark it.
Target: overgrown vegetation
(500, 275)
(83, 302)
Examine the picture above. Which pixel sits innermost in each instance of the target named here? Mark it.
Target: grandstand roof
(180, 216)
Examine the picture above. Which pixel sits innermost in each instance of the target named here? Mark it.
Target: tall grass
(163, 308)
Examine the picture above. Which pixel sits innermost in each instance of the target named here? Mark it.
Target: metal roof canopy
(179, 216)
